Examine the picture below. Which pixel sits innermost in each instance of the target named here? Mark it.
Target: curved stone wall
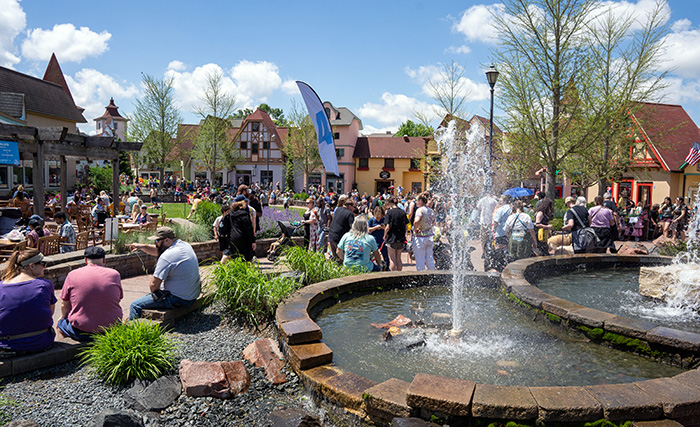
(676, 398)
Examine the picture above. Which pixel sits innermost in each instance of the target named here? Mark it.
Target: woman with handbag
(522, 242)
(544, 213)
(576, 221)
(601, 219)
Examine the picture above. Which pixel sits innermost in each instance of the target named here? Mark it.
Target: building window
(340, 153)
(363, 163)
(244, 145)
(4, 171)
(336, 135)
(254, 148)
(389, 163)
(265, 177)
(415, 164)
(266, 145)
(255, 126)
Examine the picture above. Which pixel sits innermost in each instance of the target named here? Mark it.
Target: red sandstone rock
(237, 377)
(630, 248)
(265, 353)
(399, 321)
(203, 379)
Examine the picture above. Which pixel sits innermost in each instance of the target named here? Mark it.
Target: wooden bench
(167, 317)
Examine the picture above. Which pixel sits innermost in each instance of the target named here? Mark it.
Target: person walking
(396, 222)
(522, 242)
(238, 225)
(341, 223)
(601, 220)
(422, 240)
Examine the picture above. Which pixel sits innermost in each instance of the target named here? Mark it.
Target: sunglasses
(41, 263)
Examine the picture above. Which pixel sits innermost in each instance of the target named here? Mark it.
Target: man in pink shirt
(90, 296)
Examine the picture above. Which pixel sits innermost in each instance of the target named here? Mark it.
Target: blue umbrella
(516, 192)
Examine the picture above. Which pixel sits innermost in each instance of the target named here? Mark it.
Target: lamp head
(492, 76)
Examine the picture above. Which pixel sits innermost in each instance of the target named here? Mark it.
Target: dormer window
(255, 126)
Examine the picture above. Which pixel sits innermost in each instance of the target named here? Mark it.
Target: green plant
(314, 265)
(206, 213)
(300, 196)
(131, 350)
(246, 292)
(189, 233)
(672, 248)
(4, 416)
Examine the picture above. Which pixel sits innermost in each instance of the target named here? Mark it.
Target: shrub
(192, 234)
(131, 350)
(300, 196)
(314, 265)
(246, 292)
(206, 213)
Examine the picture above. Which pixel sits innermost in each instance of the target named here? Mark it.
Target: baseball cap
(163, 233)
(95, 252)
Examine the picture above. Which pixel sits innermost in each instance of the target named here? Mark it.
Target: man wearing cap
(175, 282)
(90, 297)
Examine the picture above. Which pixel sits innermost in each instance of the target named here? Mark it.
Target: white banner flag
(326, 147)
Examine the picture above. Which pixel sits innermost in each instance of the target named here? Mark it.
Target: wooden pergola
(49, 143)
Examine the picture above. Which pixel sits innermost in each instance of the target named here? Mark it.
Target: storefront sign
(9, 153)
(384, 175)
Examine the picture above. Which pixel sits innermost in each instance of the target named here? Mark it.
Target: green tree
(212, 145)
(100, 178)
(155, 122)
(276, 114)
(553, 84)
(408, 128)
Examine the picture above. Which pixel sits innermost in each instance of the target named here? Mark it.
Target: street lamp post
(491, 76)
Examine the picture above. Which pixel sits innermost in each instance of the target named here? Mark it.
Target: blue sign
(9, 153)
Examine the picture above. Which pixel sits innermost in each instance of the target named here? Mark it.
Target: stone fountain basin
(676, 398)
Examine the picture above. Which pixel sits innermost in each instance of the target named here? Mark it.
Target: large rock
(632, 248)
(22, 423)
(676, 283)
(117, 418)
(201, 379)
(156, 396)
(407, 339)
(293, 417)
(266, 354)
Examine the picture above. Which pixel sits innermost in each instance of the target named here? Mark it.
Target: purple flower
(269, 218)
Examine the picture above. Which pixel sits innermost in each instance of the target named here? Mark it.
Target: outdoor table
(128, 226)
(7, 244)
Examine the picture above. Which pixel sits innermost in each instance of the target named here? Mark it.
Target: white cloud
(69, 44)
(92, 90)
(637, 11)
(476, 23)
(394, 110)
(177, 66)
(369, 130)
(678, 91)
(290, 87)
(189, 86)
(12, 22)
(434, 74)
(683, 50)
(464, 49)
(256, 79)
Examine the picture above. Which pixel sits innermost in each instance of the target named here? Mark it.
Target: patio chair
(50, 245)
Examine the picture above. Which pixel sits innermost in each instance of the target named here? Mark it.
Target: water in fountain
(463, 176)
(686, 293)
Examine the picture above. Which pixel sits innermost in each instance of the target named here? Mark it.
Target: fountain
(478, 369)
(464, 175)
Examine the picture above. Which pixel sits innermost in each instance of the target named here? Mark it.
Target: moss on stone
(553, 318)
(592, 333)
(632, 344)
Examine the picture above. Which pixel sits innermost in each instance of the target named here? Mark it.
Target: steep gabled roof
(341, 116)
(669, 132)
(54, 74)
(41, 97)
(279, 135)
(389, 147)
(485, 123)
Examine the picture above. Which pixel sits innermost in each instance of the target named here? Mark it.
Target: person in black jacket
(238, 226)
(341, 223)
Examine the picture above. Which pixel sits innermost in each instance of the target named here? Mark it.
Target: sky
(373, 57)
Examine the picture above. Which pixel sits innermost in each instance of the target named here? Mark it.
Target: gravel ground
(71, 395)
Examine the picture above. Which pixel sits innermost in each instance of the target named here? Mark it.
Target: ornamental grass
(131, 350)
(315, 266)
(246, 292)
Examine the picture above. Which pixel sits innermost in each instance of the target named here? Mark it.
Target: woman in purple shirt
(26, 305)
(601, 219)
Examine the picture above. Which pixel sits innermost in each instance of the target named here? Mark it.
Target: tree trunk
(602, 186)
(551, 189)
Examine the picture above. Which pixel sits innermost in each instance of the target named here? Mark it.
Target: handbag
(584, 237)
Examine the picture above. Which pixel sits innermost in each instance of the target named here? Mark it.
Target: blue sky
(373, 57)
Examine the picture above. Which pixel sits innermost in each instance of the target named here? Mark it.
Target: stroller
(288, 230)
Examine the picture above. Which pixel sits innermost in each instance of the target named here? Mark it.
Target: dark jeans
(147, 302)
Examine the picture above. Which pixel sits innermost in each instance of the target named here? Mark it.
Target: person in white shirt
(520, 230)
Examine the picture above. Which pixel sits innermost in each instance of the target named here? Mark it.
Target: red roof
(389, 147)
(668, 130)
(111, 112)
(54, 74)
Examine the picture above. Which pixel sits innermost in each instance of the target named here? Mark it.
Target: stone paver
(387, 400)
(434, 393)
(566, 404)
(503, 402)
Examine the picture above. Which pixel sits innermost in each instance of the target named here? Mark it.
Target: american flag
(693, 155)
